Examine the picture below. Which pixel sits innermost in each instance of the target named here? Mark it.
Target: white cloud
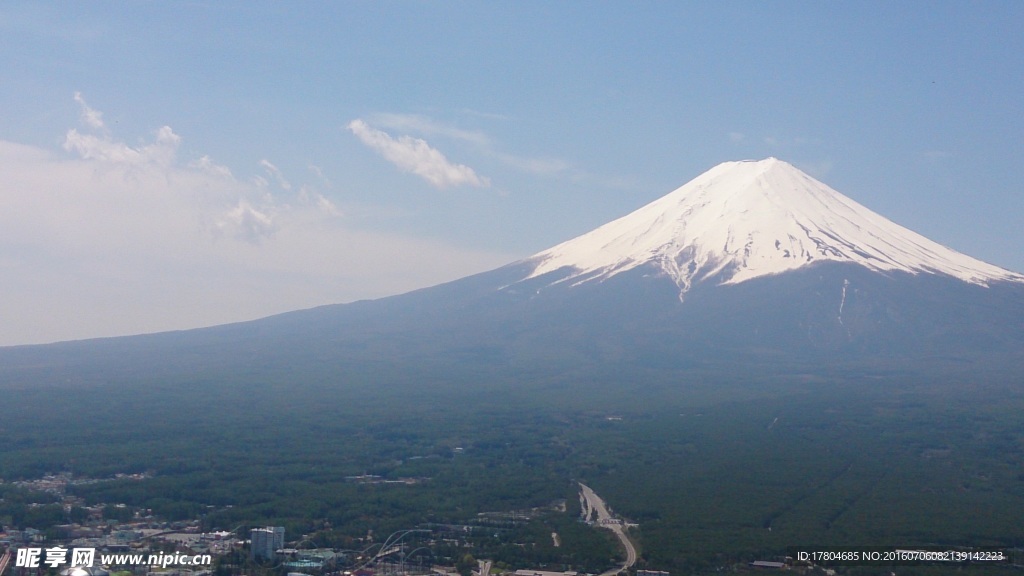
(247, 222)
(482, 144)
(276, 174)
(90, 147)
(101, 238)
(221, 205)
(326, 205)
(416, 156)
(92, 118)
(206, 164)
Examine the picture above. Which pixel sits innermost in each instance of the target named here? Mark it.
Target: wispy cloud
(481, 142)
(236, 209)
(538, 166)
(276, 174)
(416, 156)
(92, 118)
(91, 147)
(207, 165)
(247, 222)
(102, 147)
(428, 127)
(103, 238)
(319, 173)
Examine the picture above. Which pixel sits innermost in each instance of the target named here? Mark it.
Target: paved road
(595, 505)
(485, 567)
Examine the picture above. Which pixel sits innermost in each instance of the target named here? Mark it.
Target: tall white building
(264, 542)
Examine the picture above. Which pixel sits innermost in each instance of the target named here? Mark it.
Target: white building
(264, 542)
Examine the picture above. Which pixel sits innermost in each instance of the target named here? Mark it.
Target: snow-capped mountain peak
(743, 220)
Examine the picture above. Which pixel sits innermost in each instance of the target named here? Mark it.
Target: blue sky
(172, 165)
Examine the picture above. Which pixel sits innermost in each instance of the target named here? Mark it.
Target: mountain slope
(781, 275)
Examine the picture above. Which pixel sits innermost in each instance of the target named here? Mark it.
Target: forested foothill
(716, 472)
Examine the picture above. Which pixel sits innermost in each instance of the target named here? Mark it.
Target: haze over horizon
(278, 157)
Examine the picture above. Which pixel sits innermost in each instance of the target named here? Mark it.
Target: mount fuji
(764, 261)
(745, 220)
(753, 266)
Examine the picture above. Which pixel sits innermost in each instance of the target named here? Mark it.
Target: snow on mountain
(744, 220)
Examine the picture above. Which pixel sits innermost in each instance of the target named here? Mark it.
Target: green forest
(712, 475)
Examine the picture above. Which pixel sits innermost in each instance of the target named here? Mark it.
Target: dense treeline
(713, 476)
(874, 466)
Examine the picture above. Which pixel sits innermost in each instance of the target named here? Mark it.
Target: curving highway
(593, 506)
